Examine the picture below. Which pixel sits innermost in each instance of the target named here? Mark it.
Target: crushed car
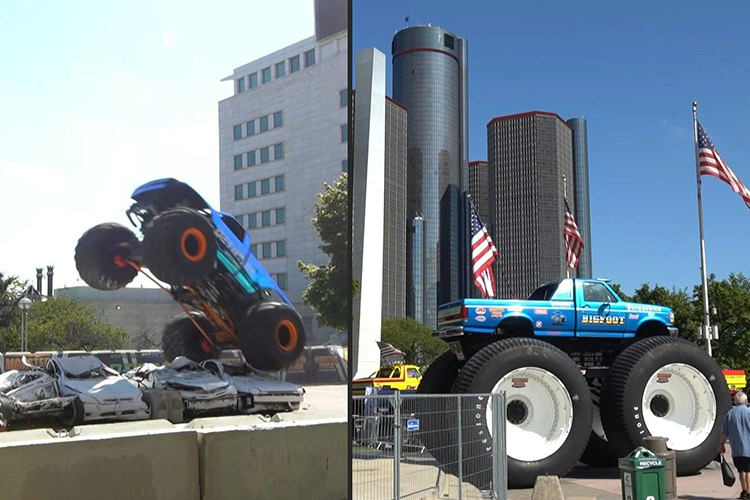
(201, 391)
(258, 393)
(74, 389)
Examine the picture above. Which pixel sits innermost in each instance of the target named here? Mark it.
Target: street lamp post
(24, 304)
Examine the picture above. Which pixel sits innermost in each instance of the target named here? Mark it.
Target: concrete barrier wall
(156, 460)
(139, 464)
(305, 460)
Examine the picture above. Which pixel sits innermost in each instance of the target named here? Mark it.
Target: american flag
(710, 163)
(387, 349)
(483, 254)
(573, 240)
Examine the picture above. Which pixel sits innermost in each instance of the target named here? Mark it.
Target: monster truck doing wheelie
(204, 255)
(586, 376)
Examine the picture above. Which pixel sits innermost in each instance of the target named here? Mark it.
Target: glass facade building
(581, 185)
(429, 78)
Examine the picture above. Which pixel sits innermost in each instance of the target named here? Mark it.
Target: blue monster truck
(204, 256)
(586, 376)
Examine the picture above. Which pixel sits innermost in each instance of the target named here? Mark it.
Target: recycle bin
(659, 446)
(642, 475)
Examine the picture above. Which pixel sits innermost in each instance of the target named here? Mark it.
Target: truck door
(599, 312)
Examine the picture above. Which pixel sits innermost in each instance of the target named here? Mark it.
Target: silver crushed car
(74, 389)
(201, 391)
(258, 393)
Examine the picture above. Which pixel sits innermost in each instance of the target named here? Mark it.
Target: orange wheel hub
(193, 244)
(286, 335)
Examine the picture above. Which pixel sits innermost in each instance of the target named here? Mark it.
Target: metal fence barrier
(448, 446)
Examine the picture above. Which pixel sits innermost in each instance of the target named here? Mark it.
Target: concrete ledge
(161, 464)
(275, 460)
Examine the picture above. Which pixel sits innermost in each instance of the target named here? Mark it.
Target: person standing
(737, 428)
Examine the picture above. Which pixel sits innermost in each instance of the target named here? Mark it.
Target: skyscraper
(528, 155)
(581, 183)
(430, 79)
(478, 188)
(283, 133)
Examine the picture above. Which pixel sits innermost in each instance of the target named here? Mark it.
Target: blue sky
(97, 98)
(632, 70)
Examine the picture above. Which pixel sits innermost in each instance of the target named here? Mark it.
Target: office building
(283, 134)
(528, 155)
(430, 80)
(478, 188)
(581, 183)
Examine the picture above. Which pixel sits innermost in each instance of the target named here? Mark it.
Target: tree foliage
(63, 323)
(330, 289)
(11, 291)
(413, 338)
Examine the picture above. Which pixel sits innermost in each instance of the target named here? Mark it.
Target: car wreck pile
(82, 389)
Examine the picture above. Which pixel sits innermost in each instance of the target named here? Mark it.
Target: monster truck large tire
(180, 247)
(548, 410)
(182, 338)
(598, 453)
(98, 260)
(271, 336)
(437, 430)
(73, 414)
(666, 386)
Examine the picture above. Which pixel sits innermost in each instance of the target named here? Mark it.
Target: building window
(263, 123)
(281, 248)
(240, 219)
(266, 250)
(343, 98)
(237, 162)
(240, 85)
(280, 215)
(278, 151)
(264, 155)
(251, 190)
(280, 69)
(252, 221)
(448, 41)
(265, 186)
(344, 133)
(344, 165)
(294, 64)
(265, 218)
(278, 183)
(237, 132)
(238, 192)
(309, 58)
(265, 75)
(281, 280)
(277, 119)
(253, 80)
(250, 126)
(251, 158)
(254, 249)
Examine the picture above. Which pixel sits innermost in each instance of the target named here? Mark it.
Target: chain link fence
(415, 446)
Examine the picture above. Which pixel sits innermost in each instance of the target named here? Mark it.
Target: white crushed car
(201, 391)
(258, 393)
(75, 389)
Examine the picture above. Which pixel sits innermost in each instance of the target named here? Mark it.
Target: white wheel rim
(539, 413)
(679, 404)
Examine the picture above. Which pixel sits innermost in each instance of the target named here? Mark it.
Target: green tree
(11, 291)
(330, 290)
(681, 303)
(414, 339)
(63, 323)
(731, 298)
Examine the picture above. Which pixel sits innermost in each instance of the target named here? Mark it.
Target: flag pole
(565, 194)
(706, 327)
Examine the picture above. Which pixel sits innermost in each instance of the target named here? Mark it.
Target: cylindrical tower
(428, 80)
(581, 183)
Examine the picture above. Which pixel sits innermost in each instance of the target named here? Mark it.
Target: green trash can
(642, 476)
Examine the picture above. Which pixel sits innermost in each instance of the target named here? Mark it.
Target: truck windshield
(544, 292)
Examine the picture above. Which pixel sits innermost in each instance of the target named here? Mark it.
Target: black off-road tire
(182, 338)
(598, 453)
(180, 247)
(624, 391)
(97, 254)
(483, 372)
(271, 336)
(73, 414)
(437, 430)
